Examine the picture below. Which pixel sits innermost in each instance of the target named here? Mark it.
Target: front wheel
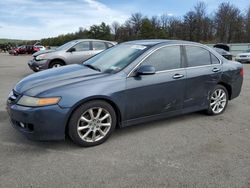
(92, 123)
(218, 100)
(55, 64)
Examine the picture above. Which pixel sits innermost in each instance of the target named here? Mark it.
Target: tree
(135, 22)
(102, 31)
(228, 24)
(147, 30)
(227, 20)
(190, 25)
(247, 25)
(114, 28)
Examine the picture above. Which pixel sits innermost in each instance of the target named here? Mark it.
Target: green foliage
(228, 24)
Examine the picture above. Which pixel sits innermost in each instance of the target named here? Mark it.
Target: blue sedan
(130, 83)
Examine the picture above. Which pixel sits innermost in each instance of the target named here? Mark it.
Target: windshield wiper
(92, 67)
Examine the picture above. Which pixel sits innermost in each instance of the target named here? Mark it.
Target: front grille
(13, 97)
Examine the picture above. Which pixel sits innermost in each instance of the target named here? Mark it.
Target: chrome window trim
(168, 45)
(206, 50)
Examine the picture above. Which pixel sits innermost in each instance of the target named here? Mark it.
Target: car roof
(153, 42)
(82, 40)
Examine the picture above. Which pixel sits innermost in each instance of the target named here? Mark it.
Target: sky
(36, 19)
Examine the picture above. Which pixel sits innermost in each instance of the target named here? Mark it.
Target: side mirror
(146, 70)
(72, 50)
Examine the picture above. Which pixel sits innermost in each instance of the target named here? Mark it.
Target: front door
(81, 53)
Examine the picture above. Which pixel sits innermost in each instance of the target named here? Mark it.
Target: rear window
(197, 56)
(99, 46)
(214, 59)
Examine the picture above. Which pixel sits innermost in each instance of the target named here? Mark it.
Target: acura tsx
(130, 83)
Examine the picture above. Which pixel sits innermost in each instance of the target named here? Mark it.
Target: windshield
(66, 45)
(116, 58)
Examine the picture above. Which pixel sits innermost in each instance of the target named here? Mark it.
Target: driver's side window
(82, 46)
(165, 58)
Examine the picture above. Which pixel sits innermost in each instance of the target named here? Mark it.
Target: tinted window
(165, 58)
(197, 56)
(82, 46)
(99, 46)
(109, 45)
(214, 59)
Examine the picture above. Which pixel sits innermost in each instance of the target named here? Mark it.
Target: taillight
(241, 72)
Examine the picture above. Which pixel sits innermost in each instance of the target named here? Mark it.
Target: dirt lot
(194, 150)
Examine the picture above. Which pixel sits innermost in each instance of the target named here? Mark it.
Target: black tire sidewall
(55, 62)
(72, 127)
(209, 110)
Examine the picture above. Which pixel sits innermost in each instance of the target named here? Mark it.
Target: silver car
(243, 57)
(73, 52)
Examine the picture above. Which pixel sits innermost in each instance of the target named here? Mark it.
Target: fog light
(22, 125)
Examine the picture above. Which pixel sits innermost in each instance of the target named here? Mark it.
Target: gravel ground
(193, 150)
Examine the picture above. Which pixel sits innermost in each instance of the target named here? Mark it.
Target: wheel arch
(228, 87)
(95, 98)
(57, 59)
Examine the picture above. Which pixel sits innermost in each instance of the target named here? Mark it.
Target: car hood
(44, 81)
(42, 52)
(243, 54)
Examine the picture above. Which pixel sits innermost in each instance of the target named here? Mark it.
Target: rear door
(203, 73)
(161, 92)
(98, 46)
(81, 53)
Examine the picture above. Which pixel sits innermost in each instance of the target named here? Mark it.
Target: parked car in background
(24, 49)
(73, 52)
(244, 57)
(224, 50)
(40, 47)
(224, 53)
(130, 83)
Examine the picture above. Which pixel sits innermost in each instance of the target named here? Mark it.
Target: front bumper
(38, 65)
(40, 123)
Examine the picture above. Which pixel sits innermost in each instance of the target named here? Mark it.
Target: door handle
(178, 76)
(216, 69)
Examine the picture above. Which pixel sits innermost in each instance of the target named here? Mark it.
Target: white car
(40, 47)
(243, 57)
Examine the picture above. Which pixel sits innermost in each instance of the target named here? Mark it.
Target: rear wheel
(218, 100)
(92, 123)
(56, 63)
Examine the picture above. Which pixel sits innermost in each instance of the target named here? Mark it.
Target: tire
(86, 131)
(218, 100)
(56, 63)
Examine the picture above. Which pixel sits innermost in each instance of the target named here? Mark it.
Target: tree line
(227, 24)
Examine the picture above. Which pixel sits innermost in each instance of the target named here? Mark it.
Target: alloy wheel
(218, 101)
(94, 124)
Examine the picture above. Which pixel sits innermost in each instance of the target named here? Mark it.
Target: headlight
(33, 101)
(41, 57)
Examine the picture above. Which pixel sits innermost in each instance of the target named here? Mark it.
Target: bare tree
(247, 25)
(164, 21)
(200, 15)
(135, 22)
(190, 25)
(227, 20)
(114, 29)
